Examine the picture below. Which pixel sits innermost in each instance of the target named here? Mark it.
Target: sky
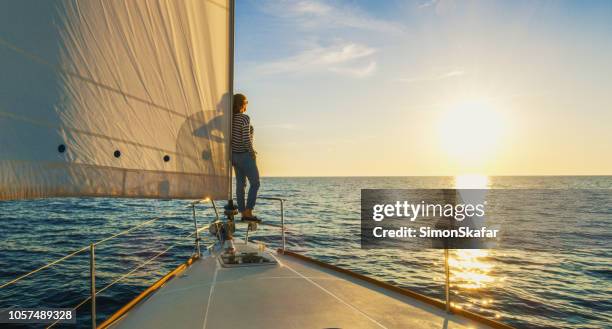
(426, 87)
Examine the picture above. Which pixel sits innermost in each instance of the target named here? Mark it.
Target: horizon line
(380, 176)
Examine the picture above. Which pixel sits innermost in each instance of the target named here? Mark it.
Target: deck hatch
(245, 259)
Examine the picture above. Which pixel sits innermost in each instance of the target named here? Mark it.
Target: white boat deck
(290, 294)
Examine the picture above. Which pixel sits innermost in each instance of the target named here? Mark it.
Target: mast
(232, 9)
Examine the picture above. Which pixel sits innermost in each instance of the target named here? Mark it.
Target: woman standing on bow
(243, 158)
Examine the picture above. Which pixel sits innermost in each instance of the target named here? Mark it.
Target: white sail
(115, 98)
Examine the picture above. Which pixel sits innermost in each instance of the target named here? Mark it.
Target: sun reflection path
(471, 269)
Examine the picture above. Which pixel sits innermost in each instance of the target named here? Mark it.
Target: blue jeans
(245, 167)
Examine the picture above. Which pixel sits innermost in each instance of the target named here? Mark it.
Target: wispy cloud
(427, 3)
(318, 14)
(356, 71)
(342, 58)
(447, 75)
(321, 21)
(441, 7)
(311, 7)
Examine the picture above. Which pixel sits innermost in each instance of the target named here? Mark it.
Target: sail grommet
(61, 148)
(166, 158)
(117, 153)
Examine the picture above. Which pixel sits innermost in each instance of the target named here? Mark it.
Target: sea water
(526, 288)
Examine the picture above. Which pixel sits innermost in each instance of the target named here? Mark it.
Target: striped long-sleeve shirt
(242, 133)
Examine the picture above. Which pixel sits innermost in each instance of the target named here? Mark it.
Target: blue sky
(427, 87)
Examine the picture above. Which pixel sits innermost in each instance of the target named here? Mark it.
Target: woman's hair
(239, 100)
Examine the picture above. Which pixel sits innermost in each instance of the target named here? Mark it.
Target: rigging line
(126, 231)
(74, 308)
(121, 278)
(148, 261)
(78, 251)
(44, 267)
(41, 61)
(88, 133)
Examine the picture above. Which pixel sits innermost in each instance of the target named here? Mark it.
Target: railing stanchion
(282, 222)
(282, 210)
(93, 291)
(447, 275)
(215, 208)
(92, 282)
(197, 235)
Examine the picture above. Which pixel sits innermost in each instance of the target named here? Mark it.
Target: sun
(470, 132)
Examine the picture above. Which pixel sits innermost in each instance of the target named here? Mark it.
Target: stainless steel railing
(92, 260)
(447, 286)
(192, 205)
(218, 219)
(282, 213)
(196, 233)
(447, 297)
(92, 282)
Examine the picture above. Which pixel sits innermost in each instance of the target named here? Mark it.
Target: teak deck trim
(127, 307)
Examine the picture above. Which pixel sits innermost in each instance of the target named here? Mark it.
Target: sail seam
(68, 164)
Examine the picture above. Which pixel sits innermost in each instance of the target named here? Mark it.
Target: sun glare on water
(469, 269)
